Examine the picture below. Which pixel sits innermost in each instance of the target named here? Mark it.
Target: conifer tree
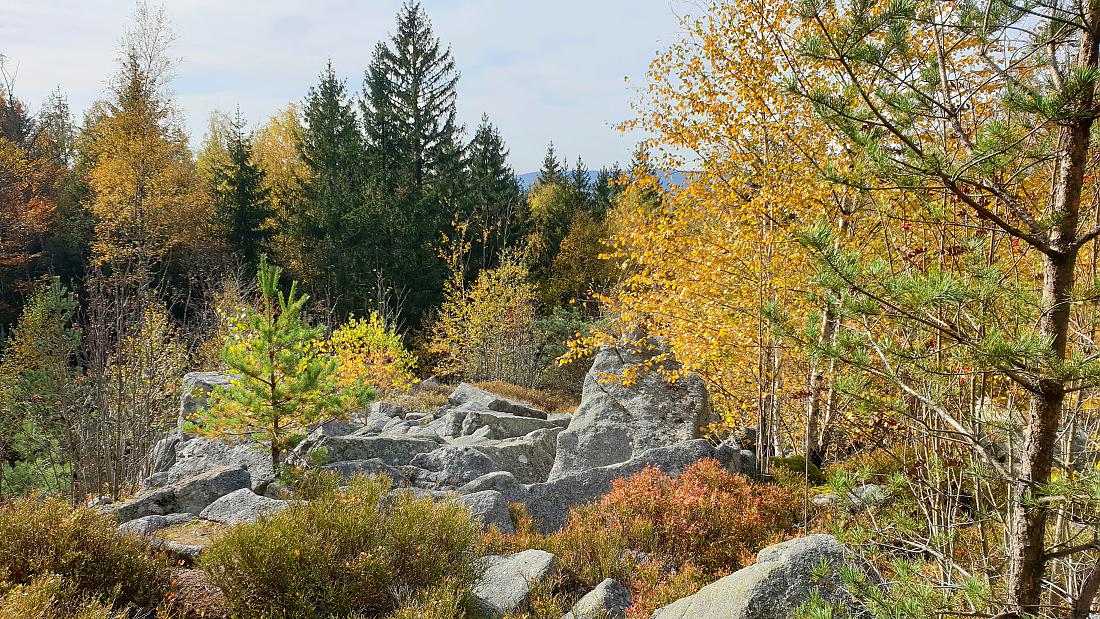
(334, 223)
(414, 150)
(495, 200)
(553, 171)
(283, 383)
(241, 198)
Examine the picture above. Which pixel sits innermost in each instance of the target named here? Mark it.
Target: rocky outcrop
(782, 579)
(609, 600)
(476, 398)
(505, 584)
(616, 422)
(491, 508)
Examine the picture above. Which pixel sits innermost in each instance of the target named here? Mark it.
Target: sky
(561, 70)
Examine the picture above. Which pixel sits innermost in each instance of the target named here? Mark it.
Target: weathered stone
(529, 457)
(163, 455)
(609, 600)
(393, 450)
(332, 427)
(780, 581)
(467, 394)
(503, 425)
(490, 507)
(195, 393)
(453, 465)
(195, 456)
(501, 481)
(190, 495)
(616, 422)
(505, 585)
(242, 506)
(147, 525)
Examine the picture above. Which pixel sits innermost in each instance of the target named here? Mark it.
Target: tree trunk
(816, 425)
(1028, 525)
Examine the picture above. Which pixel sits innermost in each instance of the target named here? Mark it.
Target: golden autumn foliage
(704, 263)
(369, 351)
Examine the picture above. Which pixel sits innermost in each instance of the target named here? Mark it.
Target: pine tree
(284, 384)
(334, 224)
(241, 198)
(494, 198)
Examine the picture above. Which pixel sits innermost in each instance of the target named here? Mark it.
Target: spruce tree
(241, 198)
(494, 198)
(552, 169)
(414, 150)
(605, 190)
(578, 178)
(334, 222)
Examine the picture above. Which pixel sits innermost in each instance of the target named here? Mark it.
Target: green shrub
(40, 536)
(795, 467)
(357, 551)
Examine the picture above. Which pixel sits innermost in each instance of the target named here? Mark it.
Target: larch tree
(145, 195)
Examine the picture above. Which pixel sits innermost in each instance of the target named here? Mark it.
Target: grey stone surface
(505, 585)
(189, 495)
(148, 525)
(775, 586)
(615, 422)
(241, 506)
(503, 425)
(609, 600)
(393, 450)
(468, 394)
(529, 457)
(452, 466)
(194, 456)
(491, 508)
(501, 481)
(195, 393)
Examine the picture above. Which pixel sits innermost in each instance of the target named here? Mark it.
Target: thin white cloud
(542, 70)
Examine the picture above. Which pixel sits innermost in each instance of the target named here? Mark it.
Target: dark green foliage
(333, 225)
(797, 466)
(553, 170)
(494, 202)
(342, 553)
(241, 199)
(43, 536)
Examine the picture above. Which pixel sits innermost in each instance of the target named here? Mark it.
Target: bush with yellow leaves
(369, 351)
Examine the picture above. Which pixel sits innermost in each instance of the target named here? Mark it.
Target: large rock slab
(195, 394)
(505, 585)
(780, 581)
(369, 468)
(504, 425)
(193, 456)
(529, 457)
(392, 450)
(474, 397)
(242, 506)
(190, 495)
(451, 466)
(609, 600)
(616, 422)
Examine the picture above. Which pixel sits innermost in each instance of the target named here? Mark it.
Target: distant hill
(674, 177)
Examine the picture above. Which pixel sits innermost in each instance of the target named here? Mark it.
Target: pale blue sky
(542, 69)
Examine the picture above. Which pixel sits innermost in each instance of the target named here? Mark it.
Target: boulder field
(487, 451)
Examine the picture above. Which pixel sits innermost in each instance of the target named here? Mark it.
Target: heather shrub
(707, 516)
(654, 587)
(794, 469)
(48, 597)
(42, 536)
(362, 550)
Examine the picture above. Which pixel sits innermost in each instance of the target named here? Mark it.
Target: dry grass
(198, 533)
(548, 401)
